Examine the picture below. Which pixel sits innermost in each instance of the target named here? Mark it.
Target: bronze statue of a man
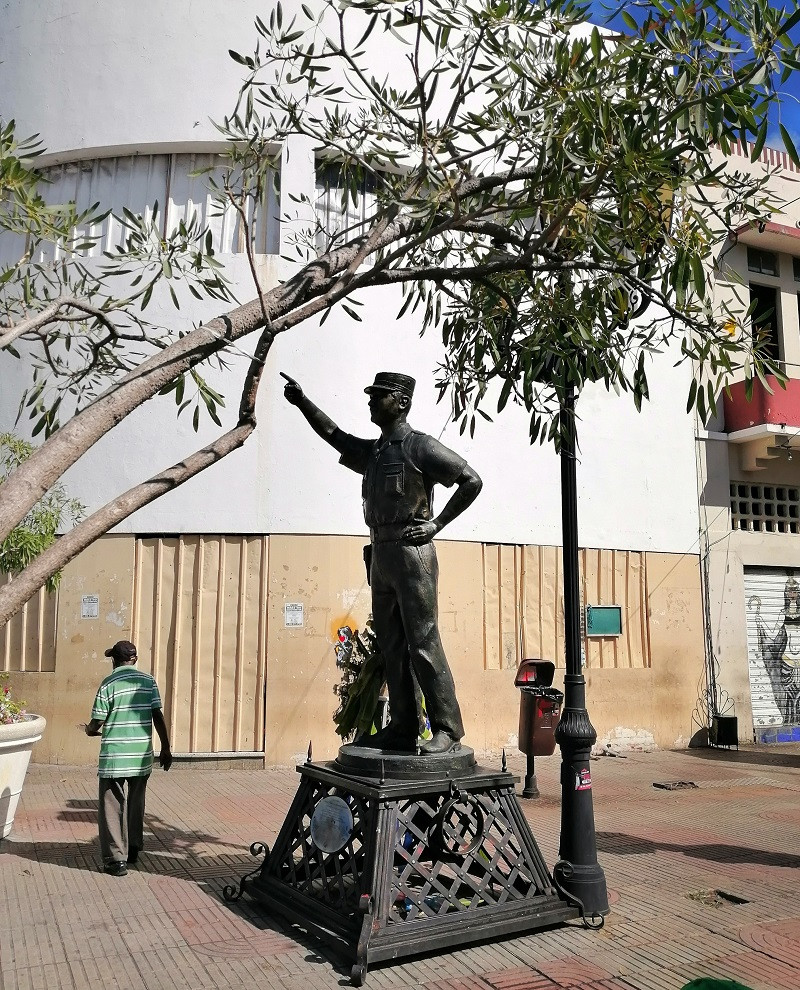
(399, 471)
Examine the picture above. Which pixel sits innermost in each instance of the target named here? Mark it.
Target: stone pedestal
(385, 855)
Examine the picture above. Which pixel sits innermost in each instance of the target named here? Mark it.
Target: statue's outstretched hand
(292, 392)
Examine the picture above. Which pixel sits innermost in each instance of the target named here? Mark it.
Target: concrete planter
(16, 743)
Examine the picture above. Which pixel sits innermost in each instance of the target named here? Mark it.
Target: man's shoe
(133, 855)
(116, 869)
(442, 742)
(390, 738)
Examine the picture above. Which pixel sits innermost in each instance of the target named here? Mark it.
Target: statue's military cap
(391, 381)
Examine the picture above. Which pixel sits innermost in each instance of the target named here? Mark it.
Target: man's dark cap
(391, 381)
(123, 650)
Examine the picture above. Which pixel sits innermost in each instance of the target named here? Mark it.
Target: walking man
(399, 472)
(126, 708)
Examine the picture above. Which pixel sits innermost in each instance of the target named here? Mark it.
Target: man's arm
(93, 727)
(469, 486)
(165, 756)
(319, 422)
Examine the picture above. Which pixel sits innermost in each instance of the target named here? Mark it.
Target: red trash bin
(539, 707)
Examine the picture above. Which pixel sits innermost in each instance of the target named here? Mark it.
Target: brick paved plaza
(677, 862)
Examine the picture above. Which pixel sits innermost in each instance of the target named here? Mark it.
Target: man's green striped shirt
(124, 704)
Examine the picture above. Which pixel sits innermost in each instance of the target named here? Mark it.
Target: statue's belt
(390, 533)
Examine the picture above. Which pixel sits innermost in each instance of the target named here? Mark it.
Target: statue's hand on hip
(421, 532)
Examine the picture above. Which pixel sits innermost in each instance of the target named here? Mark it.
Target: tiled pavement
(677, 864)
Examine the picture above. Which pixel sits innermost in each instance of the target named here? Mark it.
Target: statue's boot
(441, 742)
(389, 737)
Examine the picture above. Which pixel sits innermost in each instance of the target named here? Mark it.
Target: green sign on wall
(603, 620)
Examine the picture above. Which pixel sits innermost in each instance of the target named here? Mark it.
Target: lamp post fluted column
(577, 873)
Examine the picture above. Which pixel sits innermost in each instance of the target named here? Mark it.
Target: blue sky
(789, 114)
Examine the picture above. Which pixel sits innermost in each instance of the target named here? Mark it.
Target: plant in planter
(10, 710)
(19, 730)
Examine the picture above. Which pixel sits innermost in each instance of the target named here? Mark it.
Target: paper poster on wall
(293, 614)
(90, 606)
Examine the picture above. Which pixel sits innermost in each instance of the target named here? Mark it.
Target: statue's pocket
(427, 556)
(394, 479)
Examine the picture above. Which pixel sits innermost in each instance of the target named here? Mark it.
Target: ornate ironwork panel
(417, 859)
(334, 879)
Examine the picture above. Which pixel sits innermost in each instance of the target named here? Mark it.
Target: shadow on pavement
(762, 758)
(169, 849)
(621, 844)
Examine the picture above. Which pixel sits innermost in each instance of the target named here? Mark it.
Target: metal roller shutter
(772, 597)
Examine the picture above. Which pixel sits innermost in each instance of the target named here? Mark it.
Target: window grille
(334, 217)
(139, 181)
(765, 508)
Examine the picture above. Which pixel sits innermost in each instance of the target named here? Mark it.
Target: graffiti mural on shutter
(772, 596)
(200, 623)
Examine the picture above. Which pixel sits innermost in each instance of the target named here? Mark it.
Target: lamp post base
(585, 887)
(578, 875)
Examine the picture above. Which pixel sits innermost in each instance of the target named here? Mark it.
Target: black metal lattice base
(427, 864)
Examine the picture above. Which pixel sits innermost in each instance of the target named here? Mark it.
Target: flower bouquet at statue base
(361, 710)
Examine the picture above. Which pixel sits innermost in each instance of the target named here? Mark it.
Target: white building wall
(96, 79)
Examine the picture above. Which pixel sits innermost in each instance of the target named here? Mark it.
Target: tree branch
(25, 585)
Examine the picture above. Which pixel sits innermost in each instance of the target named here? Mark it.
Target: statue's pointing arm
(319, 422)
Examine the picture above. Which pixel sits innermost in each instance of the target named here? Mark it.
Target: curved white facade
(201, 578)
(104, 80)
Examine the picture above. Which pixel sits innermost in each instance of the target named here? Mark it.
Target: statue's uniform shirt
(399, 474)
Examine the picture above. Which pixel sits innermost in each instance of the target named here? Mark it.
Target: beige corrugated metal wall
(617, 577)
(502, 606)
(523, 605)
(28, 641)
(200, 607)
(200, 617)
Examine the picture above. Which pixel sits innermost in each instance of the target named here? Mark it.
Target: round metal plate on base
(331, 825)
(390, 765)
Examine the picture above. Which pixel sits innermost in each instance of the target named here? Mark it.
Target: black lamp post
(577, 874)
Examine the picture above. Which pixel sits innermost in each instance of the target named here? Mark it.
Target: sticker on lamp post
(90, 606)
(293, 614)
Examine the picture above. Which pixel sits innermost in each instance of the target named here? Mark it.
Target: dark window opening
(796, 269)
(763, 262)
(764, 319)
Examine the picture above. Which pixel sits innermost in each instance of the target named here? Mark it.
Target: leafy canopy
(549, 194)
